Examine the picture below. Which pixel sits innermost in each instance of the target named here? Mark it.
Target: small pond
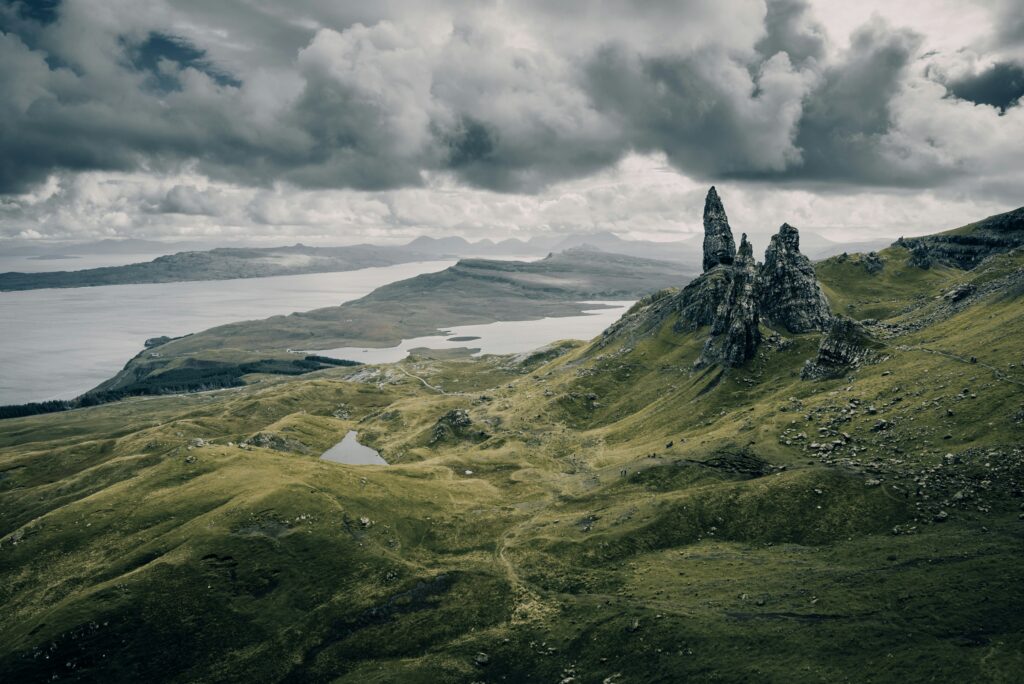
(350, 451)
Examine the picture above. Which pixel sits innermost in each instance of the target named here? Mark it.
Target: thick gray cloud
(1010, 23)
(706, 111)
(847, 117)
(515, 97)
(790, 27)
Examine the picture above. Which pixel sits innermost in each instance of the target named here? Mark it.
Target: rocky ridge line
(966, 249)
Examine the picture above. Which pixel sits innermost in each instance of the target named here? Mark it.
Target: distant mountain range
(683, 251)
(686, 251)
(224, 263)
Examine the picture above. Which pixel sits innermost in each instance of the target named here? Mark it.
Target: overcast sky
(335, 122)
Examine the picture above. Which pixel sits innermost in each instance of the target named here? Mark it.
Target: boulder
(959, 292)
(845, 345)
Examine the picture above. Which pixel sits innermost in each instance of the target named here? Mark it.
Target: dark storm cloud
(163, 55)
(1001, 85)
(376, 95)
(42, 11)
(847, 118)
(704, 112)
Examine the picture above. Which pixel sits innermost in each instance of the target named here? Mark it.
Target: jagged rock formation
(734, 330)
(966, 247)
(789, 294)
(719, 247)
(845, 345)
(733, 294)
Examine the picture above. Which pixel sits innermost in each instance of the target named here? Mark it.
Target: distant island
(223, 263)
(473, 291)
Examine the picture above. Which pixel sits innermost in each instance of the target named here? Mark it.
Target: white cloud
(642, 197)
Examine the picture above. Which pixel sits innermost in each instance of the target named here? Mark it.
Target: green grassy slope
(865, 528)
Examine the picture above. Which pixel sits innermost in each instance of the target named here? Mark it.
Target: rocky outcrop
(734, 330)
(968, 246)
(271, 440)
(733, 293)
(719, 247)
(698, 302)
(846, 345)
(959, 292)
(872, 263)
(789, 294)
(455, 425)
(920, 256)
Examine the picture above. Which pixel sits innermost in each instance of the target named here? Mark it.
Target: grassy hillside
(863, 286)
(609, 515)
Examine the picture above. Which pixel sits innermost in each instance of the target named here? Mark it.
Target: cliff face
(734, 330)
(967, 248)
(789, 292)
(699, 300)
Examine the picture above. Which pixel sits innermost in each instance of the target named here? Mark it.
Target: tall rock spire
(790, 293)
(719, 247)
(734, 331)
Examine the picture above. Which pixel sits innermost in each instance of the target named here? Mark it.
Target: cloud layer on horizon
(227, 113)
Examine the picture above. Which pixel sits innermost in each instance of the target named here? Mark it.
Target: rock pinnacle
(719, 247)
